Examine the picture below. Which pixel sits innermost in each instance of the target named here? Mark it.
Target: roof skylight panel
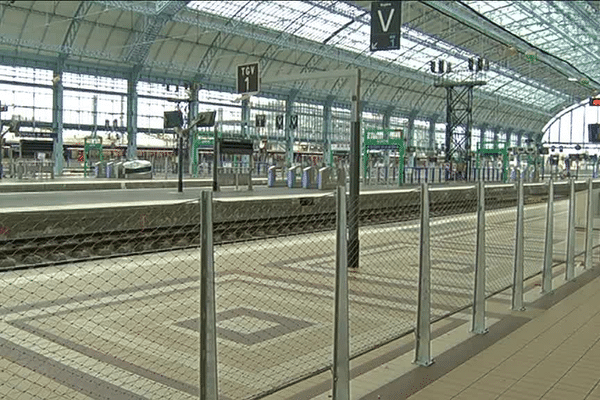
(226, 9)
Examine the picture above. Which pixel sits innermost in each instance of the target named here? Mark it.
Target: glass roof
(346, 26)
(565, 29)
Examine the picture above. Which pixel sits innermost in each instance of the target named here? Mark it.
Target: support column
(353, 205)
(483, 128)
(387, 114)
(479, 166)
(496, 131)
(423, 328)
(289, 132)
(209, 388)
(341, 347)
(410, 135)
(570, 268)
(431, 131)
(589, 227)
(517, 286)
(519, 144)
(549, 239)
(327, 128)
(132, 105)
(245, 118)
(478, 320)
(57, 118)
(193, 136)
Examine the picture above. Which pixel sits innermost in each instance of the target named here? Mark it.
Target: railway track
(20, 253)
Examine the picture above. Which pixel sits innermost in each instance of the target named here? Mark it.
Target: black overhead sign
(385, 25)
(233, 146)
(293, 122)
(206, 119)
(261, 120)
(279, 122)
(247, 78)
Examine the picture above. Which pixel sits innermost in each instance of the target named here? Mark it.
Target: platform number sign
(385, 25)
(247, 78)
(279, 122)
(293, 122)
(261, 120)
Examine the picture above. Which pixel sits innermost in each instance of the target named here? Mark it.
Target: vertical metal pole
(251, 168)
(208, 321)
(479, 294)
(570, 270)
(341, 349)
(180, 166)
(423, 330)
(353, 206)
(166, 167)
(548, 243)
(589, 229)
(517, 286)
(216, 155)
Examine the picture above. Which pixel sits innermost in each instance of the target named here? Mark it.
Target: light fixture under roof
(572, 79)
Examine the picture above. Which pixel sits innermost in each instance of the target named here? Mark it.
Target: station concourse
(299, 200)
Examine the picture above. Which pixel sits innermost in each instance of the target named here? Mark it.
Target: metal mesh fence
(580, 220)
(275, 268)
(453, 231)
(107, 300)
(383, 288)
(500, 226)
(561, 222)
(100, 302)
(534, 225)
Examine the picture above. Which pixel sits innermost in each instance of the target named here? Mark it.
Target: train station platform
(549, 351)
(68, 183)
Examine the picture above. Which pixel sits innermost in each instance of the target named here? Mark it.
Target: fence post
(548, 245)
(570, 270)
(341, 345)
(208, 321)
(423, 330)
(589, 229)
(478, 323)
(517, 286)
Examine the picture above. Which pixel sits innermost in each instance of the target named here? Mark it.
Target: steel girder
(459, 11)
(152, 25)
(241, 29)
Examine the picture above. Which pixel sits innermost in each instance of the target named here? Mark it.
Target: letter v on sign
(385, 25)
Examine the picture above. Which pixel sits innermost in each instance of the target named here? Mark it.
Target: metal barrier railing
(28, 169)
(251, 296)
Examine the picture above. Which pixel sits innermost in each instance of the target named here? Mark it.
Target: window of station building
(571, 125)
(340, 125)
(310, 122)
(79, 108)
(440, 135)
(475, 138)
(229, 117)
(270, 108)
(162, 90)
(514, 140)
(421, 134)
(372, 121)
(94, 83)
(398, 123)
(27, 102)
(151, 112)
(25, 75)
